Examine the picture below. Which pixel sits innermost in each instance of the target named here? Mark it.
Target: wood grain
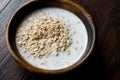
(104, 63)
(8, 68)
(4, 16)
(4, 4)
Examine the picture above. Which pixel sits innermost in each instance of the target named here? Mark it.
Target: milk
(78, 34)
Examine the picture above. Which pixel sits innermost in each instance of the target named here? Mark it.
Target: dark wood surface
(103, 64)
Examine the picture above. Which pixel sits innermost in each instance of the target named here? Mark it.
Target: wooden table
(103, 64)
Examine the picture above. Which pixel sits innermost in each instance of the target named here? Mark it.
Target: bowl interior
(34, 5)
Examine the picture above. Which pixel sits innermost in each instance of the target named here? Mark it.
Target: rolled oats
(45, 36)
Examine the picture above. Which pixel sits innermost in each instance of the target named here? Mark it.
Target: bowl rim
(44, 71)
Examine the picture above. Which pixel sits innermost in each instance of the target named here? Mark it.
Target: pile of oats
(44, 37)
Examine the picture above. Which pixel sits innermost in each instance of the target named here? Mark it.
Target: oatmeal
(44, 37)
(51, 38)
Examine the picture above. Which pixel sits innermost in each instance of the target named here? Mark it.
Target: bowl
(33, 5)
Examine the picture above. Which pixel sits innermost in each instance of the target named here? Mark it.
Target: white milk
(77, 48)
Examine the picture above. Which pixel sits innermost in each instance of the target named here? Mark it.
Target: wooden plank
(3, 4)
(10, 70)
(4, 17)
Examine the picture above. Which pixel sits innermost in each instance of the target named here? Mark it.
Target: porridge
(51, 38)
